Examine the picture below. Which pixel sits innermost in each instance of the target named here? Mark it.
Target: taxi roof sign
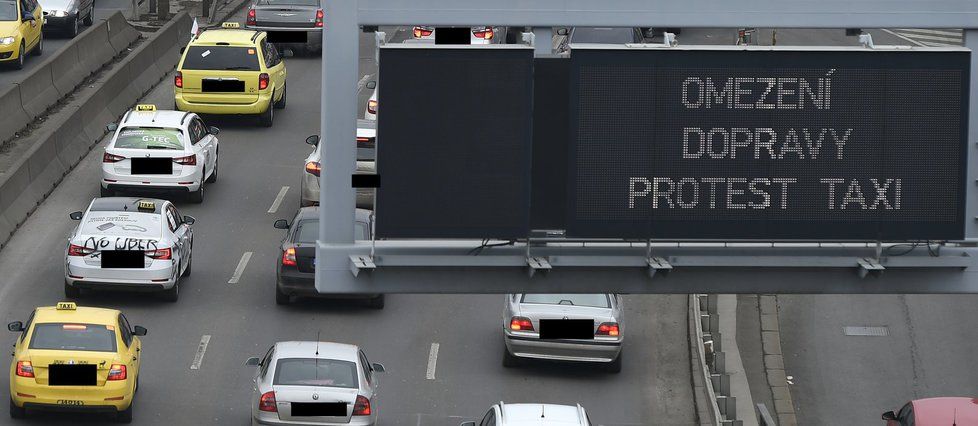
(146, 205)
(230, 25)
(66, 306)
(145, 107)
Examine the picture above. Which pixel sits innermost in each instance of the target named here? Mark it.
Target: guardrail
(60, 146)
(710, 365)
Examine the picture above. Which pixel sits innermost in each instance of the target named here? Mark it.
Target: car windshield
(149, 138)
(316, 372)
(123, 224)
(308, 232)
(74, 337)
(592, 300)
(289, 2)
(221, 58)
(8, 10)
(603, 35)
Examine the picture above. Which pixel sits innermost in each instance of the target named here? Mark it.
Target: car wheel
(614, 366)
(281, 102)
(265, 118)
(90, 18)
(19, 65)
(106, 192)
(508, 359)
(172, 294)
(72, 292)
(17, 412)
(281, 298)
(376, 302)
(39, 49)
(125, 416)
(197, 196)
(73, 28)
(213, 177)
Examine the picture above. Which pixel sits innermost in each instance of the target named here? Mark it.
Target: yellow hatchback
(231, 71)
(75, 359)
(20, 31)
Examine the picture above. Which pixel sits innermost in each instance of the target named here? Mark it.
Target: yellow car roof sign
(146, 205)
(145, 107)
(66, 306)
(230, 25)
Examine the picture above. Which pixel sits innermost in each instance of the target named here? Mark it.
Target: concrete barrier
(94, 49)
(66, 73)
(37, 91)
(120, 33)
(13, 118)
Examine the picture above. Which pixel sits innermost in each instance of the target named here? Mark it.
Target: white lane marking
(932, 37)
(278, 199)
(903, 37)
(432, 361)
(201, 348)
(242, 264)
(951, 33)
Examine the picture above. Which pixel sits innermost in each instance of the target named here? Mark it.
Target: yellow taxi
(231, 71)
(75, 359)
(20, 31)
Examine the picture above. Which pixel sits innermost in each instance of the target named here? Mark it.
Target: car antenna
(543, 411)
(954, 421)
(317, 342)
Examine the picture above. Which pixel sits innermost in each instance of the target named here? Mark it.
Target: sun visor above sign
(768, 144)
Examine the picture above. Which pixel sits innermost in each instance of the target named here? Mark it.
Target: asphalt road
(55, 40)
(243, 320)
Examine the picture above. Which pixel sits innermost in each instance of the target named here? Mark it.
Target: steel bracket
(538, 264)
(360, 262)
(868, 265)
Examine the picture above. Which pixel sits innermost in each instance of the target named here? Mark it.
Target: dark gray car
(67, 15)
(293, 24)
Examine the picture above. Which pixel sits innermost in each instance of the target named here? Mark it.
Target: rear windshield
(149, 138)
(221, 58)
(316, 372)
(73, 337)
(308, 232)
(123, 224)
(8, 11)
(289, 2)
(592, 300)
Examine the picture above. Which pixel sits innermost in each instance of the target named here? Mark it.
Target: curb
(774, 361)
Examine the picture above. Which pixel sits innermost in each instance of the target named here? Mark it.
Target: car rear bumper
(303, 284)
(309, 193)
(272, 419)
(151, 187)
(563, 351)
(54, 398)
(57, 22)
(258, 107)
(144, 280)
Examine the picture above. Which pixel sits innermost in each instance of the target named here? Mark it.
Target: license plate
(70, 402)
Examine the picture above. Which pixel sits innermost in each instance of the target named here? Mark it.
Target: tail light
(372, 106)
(313, 168)
(267, 402)
(160, 254)
(178, 79)
(251, 18)
(288, 257)
(362, 406)
(422, 32)
(111, 158)
(483, 33)
(25, 369)
(263, 81)
(607, 329)
(363, 141)
(117, 372)
(319, 18)
(190, 160)
(520, 324)
(77, 250)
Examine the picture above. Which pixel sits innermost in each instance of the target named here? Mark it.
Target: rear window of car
(74, 337)
(123, 224)
(8, 11)
(308, 232)
(592, 300)
(316, 372)
(221, 58)
(289, 2)
(149, 138)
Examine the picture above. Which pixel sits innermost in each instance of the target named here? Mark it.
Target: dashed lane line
(242, 264)
(278, 199)
(432, 361)
(201, 349)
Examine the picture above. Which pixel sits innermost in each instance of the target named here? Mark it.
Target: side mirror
(253, 361)
(16, 326)
(75, 215)
(111, 127)
(371, 85)
(889, 415)
(281, 224)
(378, 367)
(562, 31)
(213, 130)
(189, 220)
(467, 424)
(313, 140)
(287, 53)
(139, 331)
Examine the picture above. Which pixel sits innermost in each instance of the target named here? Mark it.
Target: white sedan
(160, 151)
(129, 244)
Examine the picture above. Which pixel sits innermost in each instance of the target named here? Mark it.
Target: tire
(72, 29)
(39, 49)
(72, 292)
(91, 15)
(281, 102)
(172, 294)
(125, 416)
(265, 118)
(376, 302)
(614, 366)
(281, 298)
(213, 177)
(17, 412)
(106, 192)
(19, 64)
(509, 360)
(197, 196)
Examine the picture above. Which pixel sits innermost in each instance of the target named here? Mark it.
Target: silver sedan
(309, 181)
(564, 327)
(314, 383)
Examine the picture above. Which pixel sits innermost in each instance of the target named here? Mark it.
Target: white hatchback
(160, 151)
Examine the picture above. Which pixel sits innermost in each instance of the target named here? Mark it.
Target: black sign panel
(454, 142)
(807, 145)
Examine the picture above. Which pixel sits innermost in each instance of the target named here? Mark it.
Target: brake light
(160, 254)
(267, 402)
(607, 329)
(251, 18)
(112, 158)
(319, 18)
(483, 33)
(263, 81)
(313, 167)
(25, 369)
(75, 327)
(117, 372)
(520, 324)
(178, 79)
(77, 250)
(190, 160)
(422, 32)
(288, 257)
(362, 406)
(372, 106)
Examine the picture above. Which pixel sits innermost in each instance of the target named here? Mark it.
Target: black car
(296, 271)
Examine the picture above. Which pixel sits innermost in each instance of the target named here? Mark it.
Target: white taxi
(160, 151)
(129, 244)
